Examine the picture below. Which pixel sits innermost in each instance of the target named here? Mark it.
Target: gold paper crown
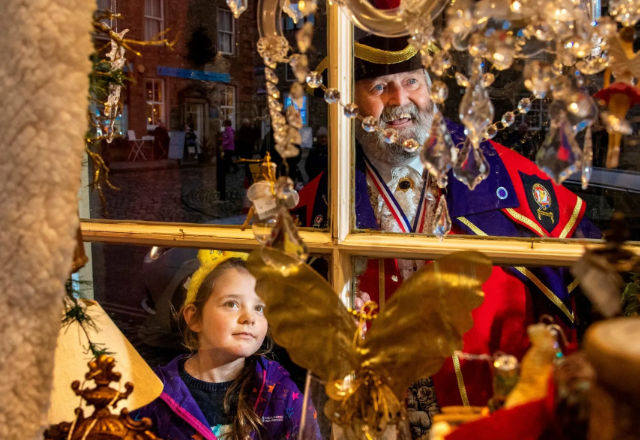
(209, 260)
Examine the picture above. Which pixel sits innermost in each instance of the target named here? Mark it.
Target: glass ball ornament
(524, 105)
(439, 92)
(351, 110)
(390, 135)
(410, 145)
(369, 124)
(314, 79)
(331, 96)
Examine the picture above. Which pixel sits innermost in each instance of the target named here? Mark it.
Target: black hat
(376, 56)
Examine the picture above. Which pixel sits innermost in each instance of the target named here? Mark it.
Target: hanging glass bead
(492, 131)
(488, 79)
(537, 77)
(559, 155)
(286, 195)
(508, 119)
(587, 159)
(351, 110)
(472, 167)
(439, 92)
(524, 105)
(262, 229)
(314, 79)
(390, 135)
(442, 224)
(331, 96)
(426, 59)
(461, 80)
(237, 7)
(410, 145)
(369, 124)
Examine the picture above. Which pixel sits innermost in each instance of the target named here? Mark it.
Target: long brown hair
(239, 394)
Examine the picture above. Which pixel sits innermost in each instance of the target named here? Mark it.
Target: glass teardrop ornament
(471, 167)
(442, 223)
(559, 155)
(439, 153)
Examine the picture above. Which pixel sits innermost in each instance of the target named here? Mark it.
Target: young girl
(226, 388)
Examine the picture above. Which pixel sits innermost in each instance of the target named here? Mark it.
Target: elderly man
(391, 190)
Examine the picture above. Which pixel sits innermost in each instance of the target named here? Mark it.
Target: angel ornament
(367, 374)
(624, 93)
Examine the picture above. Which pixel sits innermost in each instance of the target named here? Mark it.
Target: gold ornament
(367, 372)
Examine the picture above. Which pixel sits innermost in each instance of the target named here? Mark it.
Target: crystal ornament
(292, 10)
(476, 109)
(587, 159)
(477, 45)
(262, 198)
(440, 63)
(508, 119)
(439, 153)
(439, 92)
(537, 77)
(492, 131)
(426, 59)
(471, 167)
(286, 195)
(390, 135)
(488, 79)
(593, 64)
(615, 124)
(262, 229)
(284, 237)
(461, 80)
(237, 7)
(559, 156)
(314, 79)
(300, 66)
(625, 12)
(304, 37)
(410, 145)
(331, 96)
(369, 124)
(524, 105)
(582, 111)
(351, 110)
(442, 224)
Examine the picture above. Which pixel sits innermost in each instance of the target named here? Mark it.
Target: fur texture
(45, 45)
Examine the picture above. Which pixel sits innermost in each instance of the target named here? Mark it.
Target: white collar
(385, 169)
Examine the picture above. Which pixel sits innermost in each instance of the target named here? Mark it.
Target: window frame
(224, 11)
(148, 18)
(342, 242)
(225, 88)
(161, 103)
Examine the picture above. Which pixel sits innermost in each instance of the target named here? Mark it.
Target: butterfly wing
(423, 322)
(305, 314)
(620, 64)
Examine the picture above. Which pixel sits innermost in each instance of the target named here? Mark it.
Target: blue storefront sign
(193, 74)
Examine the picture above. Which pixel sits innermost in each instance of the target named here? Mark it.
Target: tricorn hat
(377, 56)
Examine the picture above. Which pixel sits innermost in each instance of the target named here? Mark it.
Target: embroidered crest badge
(542, 200)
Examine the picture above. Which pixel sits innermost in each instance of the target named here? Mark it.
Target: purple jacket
(177, 416)
(228, 135)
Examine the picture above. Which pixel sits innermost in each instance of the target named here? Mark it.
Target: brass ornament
(102, 424)
(367, 372)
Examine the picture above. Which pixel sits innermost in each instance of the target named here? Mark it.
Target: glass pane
(516, 199)
(178, 101)
(143, 290)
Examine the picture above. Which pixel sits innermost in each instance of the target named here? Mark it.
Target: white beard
(394, 154)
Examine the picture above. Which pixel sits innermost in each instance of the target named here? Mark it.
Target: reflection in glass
(169, 162)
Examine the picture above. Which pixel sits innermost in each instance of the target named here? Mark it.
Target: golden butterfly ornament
(367, 371)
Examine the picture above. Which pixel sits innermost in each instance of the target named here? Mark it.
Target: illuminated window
(154, 96)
